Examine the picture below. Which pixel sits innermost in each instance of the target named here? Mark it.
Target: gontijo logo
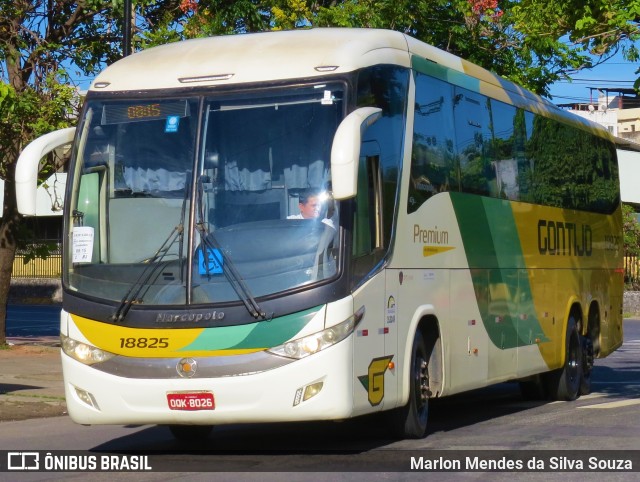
(558, 238)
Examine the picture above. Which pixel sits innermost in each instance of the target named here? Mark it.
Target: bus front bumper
(318, 387)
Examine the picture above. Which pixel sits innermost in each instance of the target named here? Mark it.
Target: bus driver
(310, 203)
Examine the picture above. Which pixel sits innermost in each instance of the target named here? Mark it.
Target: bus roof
(242, 58)
(298, 54)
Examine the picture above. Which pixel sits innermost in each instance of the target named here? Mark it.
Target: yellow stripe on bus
(147, 342)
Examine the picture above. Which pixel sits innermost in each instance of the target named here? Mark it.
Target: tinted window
(433, 158)
(385, 86)
(464, 141)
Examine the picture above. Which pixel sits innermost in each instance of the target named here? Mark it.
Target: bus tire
(590, 348)
(410, 421)
(587, 365)
(564, 383)
(190, 433)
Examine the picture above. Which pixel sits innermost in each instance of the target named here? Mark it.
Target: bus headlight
(82, 352)
(308, 345)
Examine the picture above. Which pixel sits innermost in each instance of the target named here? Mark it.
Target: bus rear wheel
(590, 348)
(565, 383)
(410, 421)
(587, 365)
(190, 433)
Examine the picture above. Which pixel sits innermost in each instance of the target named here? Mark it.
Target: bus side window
(472, 118)
(91, 196)
(433, 158)
(366, 226)
(368, 242)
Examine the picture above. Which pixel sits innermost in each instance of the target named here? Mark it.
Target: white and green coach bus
(469, 233)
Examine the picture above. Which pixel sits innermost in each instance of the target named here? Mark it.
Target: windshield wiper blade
(154, 262)
(213, 248)
(152, 265)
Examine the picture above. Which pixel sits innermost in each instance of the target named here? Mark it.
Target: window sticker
(213, 263)
(82, 244)
(173, 122)
(391, 310)
(328, 98)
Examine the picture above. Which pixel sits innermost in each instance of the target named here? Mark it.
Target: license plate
(191, 401)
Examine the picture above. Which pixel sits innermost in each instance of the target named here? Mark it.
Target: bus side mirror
(28, 163)
(345, 151)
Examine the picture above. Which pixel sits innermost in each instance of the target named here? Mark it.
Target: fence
(51, 267)
(631, 269)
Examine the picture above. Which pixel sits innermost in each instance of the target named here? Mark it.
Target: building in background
(616, 108)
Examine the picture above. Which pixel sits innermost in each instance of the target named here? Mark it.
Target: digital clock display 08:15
(141, 111)
(118, 113)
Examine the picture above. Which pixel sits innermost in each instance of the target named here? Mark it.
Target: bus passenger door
(370, 358)
(390, 330)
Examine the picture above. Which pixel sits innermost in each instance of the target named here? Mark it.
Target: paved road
(32, 320)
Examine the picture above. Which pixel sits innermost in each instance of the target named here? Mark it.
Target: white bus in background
(475, 235)
(629, 160)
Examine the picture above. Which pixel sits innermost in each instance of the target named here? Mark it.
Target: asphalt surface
(30, 370)
(32, 321)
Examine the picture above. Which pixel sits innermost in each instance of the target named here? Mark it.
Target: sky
(614, 73)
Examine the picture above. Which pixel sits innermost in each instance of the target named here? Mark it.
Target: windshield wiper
(152, 265)
(211, 247)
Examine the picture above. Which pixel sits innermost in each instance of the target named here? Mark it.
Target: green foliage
(44, 39)
(30, 113)
(631, 234)
(566, 33)
(222, 17)
(531, 42)
(30, 247)
(631, 230)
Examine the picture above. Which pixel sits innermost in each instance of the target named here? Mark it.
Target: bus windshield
(193, 200)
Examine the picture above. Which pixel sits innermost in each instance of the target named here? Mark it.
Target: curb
(53, 341)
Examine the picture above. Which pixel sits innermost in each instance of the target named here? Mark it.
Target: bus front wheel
(410, 421)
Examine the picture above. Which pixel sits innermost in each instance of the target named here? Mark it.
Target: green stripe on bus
(443, 73)
(263, 334)
(498, 271)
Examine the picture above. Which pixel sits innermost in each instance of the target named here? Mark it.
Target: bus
(475, 235)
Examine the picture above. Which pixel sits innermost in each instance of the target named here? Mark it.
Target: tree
(588, 31)
(531, 42)
(631, 230)
(39, 42)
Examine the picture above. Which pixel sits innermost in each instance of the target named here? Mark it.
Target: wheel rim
(587, 355)
(421, 387)
(573, 362)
